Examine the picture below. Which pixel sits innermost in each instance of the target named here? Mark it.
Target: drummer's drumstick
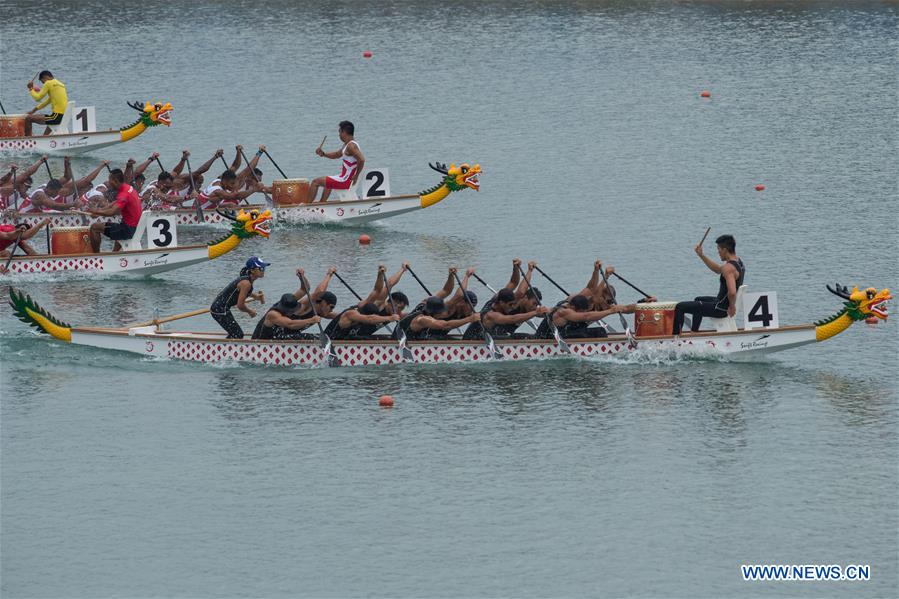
(706, 235)
(323, 142)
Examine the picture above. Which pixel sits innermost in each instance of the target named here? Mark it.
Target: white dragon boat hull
(65, 144)
(136, 262)
(213, 348)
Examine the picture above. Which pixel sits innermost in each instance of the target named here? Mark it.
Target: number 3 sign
(760, 310)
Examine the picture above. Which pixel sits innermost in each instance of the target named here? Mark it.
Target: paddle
(275, 163)
(415, 276)
(347, 285)
(227, 166)
(12, 252)
(634, 287)
(197, 203)
(549, 319)
(1, 108)
(47, 164)
(253, 172)
(162, 168)
(611, 292)
(324, 340)
(183, 315)
(15, 193)
(398, 331)
(488, 338)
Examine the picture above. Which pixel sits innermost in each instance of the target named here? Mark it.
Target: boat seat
(729, 323)
(135, 242)
(344, 195)
(65, 125)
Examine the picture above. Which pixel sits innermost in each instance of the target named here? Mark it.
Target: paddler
(9, 197)
(359, 322)
(126, 203)
(224, 192)
(11, 235)
(352, 163)
(600, 294)
(288, 319)
(573, 319)
(433, 321)
(731, 273)
(236, 293)
(55, 93)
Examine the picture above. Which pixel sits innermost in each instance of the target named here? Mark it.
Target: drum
(289, 192)
(70, 240)
(12, 125)
(654, 319)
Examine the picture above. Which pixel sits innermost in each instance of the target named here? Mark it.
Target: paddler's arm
(84, 183)
(46, 202)
(32, 169)
(7, 178)
(247, 172)
(498, 318)
(181, 162)
(373, 318)
(66, 171)
(525, 284)
(278, 319)
(300, 294)
(516, 275)
(353, 150)
(378, 292)
(235, 164)
(323, 286)
(32, 231)
(205, 166)
(730, 277)
(233, 196)
(713, 266)
(243, 291)
(429, 322)
(395, 279)
(448, 286)
(139, 169)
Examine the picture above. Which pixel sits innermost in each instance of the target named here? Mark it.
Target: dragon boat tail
(212, 347)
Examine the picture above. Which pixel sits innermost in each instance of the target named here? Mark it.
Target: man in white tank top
(352, 163)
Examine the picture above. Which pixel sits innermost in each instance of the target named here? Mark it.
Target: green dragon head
(457, 178)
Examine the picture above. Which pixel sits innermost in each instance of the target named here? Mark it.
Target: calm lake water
(127, 477)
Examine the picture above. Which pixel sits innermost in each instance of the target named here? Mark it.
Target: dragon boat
(161, 254)
(152, 340)
(64, 141)
(290, 206)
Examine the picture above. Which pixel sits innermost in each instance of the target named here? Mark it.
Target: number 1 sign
(760, 309)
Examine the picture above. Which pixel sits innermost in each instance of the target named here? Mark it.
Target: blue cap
(255, 262)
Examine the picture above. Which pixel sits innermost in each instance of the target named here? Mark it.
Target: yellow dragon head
(862, 303)
(457, 178)
(152, 114)
(247, 224)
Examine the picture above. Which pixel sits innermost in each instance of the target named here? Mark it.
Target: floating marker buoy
(871, 320)
(386, 401)
(367, 54)
(760, 187)
(364, 239)
(705, 94)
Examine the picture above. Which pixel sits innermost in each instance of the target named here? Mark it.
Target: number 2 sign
(375, 183)
(760, 309)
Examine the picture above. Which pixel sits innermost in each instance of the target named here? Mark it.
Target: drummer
(12, 235)
(352, 164)
(127, 204)
(55, 93)
(731, 273)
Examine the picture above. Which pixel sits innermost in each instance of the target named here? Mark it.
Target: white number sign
(760, 310)
(162, 232)
(375, 183)
(84, 119)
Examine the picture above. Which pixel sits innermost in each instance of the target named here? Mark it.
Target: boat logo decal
(123, 262)
(340, 212)
(149, 347)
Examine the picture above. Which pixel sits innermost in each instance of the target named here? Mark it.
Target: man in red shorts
(127, 203)
(352, 162)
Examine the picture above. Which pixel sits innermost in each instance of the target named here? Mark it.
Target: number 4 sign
(760, 310)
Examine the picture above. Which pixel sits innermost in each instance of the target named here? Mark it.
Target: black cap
(434, 305)
(472, 297)
(328, 298)
(288, 303)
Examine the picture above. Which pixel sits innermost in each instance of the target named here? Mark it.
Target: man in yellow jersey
(55, 93)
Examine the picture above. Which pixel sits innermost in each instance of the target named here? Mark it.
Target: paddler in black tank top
(236, 294)
(731, 273)
(281, 321)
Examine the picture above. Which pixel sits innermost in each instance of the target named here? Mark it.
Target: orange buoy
(364, 239)
(386, 401)
(705, 94)
(871, 320)
(367, 54)
(760, 187)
